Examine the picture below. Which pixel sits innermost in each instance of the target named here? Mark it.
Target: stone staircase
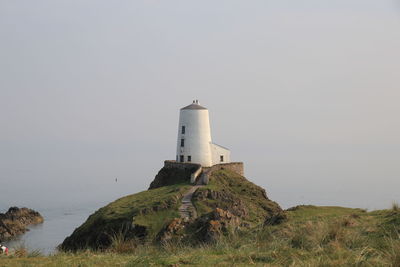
(187, 210)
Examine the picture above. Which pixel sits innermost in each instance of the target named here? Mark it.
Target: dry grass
(120, 244)
(339, 237)
(20, 251)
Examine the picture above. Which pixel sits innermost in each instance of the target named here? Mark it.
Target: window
(182, 142)
(221, 158)
(181, 158)
(189, 158)
(176, 157)
(183, 129)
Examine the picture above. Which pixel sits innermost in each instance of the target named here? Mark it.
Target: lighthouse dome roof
(194, 105)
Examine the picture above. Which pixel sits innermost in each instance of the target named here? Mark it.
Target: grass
(142, 214)
(312, 236)
(145, 214)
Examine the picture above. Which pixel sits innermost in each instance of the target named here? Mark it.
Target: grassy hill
(312, 236)
(149, 216)
(140, 216)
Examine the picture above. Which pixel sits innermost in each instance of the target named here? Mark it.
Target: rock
(15, 221)
(212, 226)
(230, 202)
(169, 176)
(173, 231)
(207, 228)
(234, 193)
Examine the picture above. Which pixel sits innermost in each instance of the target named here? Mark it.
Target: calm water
(58, 224)
(64, 203)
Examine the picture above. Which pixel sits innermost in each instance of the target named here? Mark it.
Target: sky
(305, 93)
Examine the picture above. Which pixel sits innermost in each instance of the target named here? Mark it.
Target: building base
(202, 174)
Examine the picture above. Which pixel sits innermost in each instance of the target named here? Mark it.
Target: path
(187, 210)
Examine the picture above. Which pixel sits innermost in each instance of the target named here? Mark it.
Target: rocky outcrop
(234, 193)
(170, 176)
(207, 228)
(174, 231)
(225, 200)
(212, 226)
(15, 221)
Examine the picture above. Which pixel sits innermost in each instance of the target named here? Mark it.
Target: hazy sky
(306, 93)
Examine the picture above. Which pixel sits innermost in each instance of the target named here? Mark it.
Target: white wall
(218, 151)
(197, 136)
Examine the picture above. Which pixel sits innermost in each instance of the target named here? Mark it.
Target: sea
(58, 223)
(63, 208)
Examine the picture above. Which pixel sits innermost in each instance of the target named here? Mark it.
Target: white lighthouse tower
(194, 138)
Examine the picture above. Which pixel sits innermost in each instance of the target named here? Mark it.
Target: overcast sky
(306, 93)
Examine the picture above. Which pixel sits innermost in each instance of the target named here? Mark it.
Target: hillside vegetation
(230, 202)
(312, 236)
(138, 216)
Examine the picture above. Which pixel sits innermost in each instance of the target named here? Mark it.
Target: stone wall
(237, 167)
(205, 172)
(180, 165)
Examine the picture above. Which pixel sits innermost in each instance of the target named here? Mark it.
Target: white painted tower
(194, 138)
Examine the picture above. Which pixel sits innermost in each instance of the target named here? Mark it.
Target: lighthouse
(194, 138)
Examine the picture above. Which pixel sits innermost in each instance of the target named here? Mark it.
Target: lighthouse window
(183, 129)
(189, 158)
(181, 158)
(221, 158)
(182, 142)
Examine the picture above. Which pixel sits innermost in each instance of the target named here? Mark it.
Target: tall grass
(21, 251)
(341, 240)
(121, 244)
(392, 251)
